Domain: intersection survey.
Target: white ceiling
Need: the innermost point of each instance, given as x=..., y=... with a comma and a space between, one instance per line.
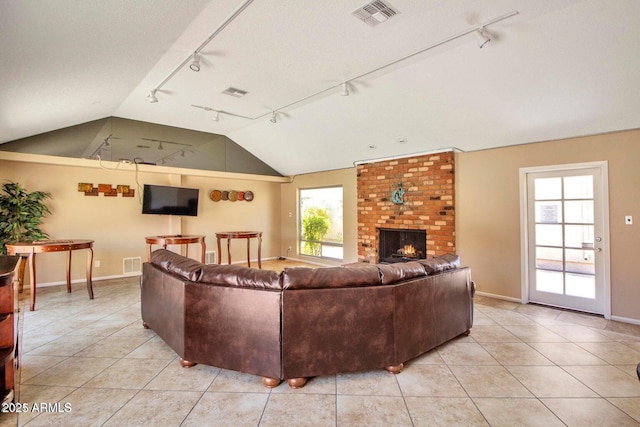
x=559, y=68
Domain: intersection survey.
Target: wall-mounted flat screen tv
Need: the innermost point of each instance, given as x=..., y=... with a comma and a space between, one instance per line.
x=164, y=200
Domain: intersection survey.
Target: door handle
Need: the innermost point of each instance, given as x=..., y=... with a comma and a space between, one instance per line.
x=598, y=249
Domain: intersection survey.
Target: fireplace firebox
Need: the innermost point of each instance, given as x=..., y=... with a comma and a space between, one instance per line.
x=401, y=245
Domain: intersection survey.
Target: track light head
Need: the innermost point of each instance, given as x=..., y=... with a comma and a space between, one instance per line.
x=482, y=37
x=160, y=147
x=345, y=89
x=274, y=117
x=216, y=116
x=152, y=97
x=195, y=63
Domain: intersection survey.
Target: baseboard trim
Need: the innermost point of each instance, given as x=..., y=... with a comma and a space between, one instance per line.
x=626, y=320
x=93, y=279
x=502, y=297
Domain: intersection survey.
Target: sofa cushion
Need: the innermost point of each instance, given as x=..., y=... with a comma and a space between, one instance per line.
x=441, y=263
x=186, y=268
x=392, y=273
x=240, y=276
x=329, y=277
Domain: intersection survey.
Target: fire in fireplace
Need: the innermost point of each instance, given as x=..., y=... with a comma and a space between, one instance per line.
x=401, y=245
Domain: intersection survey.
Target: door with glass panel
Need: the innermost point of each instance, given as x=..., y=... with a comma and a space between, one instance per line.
x=566, y=234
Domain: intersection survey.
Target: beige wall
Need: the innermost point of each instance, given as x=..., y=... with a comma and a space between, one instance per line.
x=488, y=211
x=117, y=225
x=290, y=230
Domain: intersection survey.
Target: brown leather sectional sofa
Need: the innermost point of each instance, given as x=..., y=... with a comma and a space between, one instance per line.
x=305, y=322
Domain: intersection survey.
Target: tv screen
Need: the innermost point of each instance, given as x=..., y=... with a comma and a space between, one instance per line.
x=164, y=200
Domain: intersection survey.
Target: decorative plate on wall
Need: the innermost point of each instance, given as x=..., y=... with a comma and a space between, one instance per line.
x=216, y=195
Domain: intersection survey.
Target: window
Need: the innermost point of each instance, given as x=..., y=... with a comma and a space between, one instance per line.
x=321, y=222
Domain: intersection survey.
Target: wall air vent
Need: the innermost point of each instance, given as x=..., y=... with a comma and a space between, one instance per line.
x=131, y=266
x=210, y=257
x=232, y=91
x=375, y=13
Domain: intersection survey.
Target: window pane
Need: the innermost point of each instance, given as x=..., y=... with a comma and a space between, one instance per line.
x=548, y=189
x=321, y=221
x=548, y=235
x=549, y=258
x=578, y=187
x=580, y=212
x=580, y=285
x=580, y=261
x=549, y=212
x=578, y=236
x=549, y=281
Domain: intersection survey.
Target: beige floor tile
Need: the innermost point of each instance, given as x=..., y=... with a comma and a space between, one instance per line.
x=613, y=352
x=72, y=372
x=537, y=311
x=607, y=381
x=155, y=408
x=594, y=412
x=227, y=409
x=460, y=353
x=583, y=319
x=577, y=333
x=509, y=412
x=492, y=333
x=66, y=345
x=85, y=407
x=505, y=318
x=299, y=410
x=444, y=412
x=113, y=347
x=429, y=358
x=567, y=353
x=550, y=381
x=154, y=348
x=316, y=385
x=515, y=353
x=629, y=405
x=368, y=383
x=534, y=333
x=238, y=382
x=489, y=381
x=100, y=328
x=128, y=374
x=32, y=365
x=429, y=380
x=371, y=411
x=176, y=377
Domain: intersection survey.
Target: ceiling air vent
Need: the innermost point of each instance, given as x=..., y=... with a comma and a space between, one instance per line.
x=232, y=91
x=375, y=13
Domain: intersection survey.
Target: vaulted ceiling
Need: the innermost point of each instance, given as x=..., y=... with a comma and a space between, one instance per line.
x=417, y=82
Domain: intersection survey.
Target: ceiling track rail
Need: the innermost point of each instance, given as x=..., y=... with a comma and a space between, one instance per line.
x=274, y=111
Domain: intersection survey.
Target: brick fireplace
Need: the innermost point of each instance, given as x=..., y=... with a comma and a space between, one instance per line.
x=413, y=193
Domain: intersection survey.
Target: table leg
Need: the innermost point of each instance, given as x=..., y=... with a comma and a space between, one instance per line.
x=203, y=250
x=32, y=273
x=219, y=252
x=149, y=253
x=69, y=272
x=186, y=250
x=248, y=252
x=89, y=272
x=228, y=250
x=259, y=251
x=22, y=263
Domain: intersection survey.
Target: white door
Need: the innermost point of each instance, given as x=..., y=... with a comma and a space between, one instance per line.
x=566, y=251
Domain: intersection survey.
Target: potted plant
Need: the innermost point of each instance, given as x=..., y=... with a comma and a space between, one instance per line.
x=21, y=214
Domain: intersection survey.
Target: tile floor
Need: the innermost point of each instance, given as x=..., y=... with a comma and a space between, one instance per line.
x=521, y=365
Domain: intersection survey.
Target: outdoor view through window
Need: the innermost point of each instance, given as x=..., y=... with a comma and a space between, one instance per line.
x=321, y=222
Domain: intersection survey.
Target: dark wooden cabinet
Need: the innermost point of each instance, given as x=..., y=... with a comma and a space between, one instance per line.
x=8, y=326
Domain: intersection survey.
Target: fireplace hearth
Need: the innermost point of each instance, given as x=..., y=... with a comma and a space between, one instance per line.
x=401, y=245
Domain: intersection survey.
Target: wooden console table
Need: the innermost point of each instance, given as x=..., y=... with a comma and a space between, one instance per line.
x=240, y=235
x=30, y=249
x=176, y=240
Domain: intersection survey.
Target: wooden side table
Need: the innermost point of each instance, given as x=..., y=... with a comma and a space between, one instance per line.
x=30, y=249
x=176, y=240
x=240, y=235
x=9, y=311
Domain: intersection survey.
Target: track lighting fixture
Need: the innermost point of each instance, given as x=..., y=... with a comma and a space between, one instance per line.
x=160, y=147
x=195, y=63
x=216, y=116
x=482, y=37
x=152, y=97
x=274, y=117
x=345, y=89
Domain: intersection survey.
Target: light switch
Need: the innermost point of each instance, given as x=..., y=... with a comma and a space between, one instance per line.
x=628, y=220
